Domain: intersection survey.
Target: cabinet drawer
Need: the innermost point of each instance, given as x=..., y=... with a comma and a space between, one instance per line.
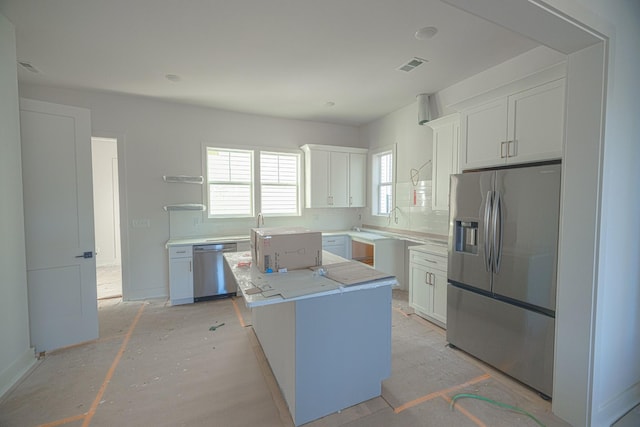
x=428, y=260
x=180, y=252
x=334, y=240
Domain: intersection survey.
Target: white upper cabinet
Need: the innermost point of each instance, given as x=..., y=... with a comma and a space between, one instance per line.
x=338, y=179
x=536, y=122
x=526, y=126
x=334, y=176
x=446, y=135
x=357, y=180
x=317, y=183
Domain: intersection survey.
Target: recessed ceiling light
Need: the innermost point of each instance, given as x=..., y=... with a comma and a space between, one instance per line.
x=425, y=33
x=173, y=77
x=29, y=67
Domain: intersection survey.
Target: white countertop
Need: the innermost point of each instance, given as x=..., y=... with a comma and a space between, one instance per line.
x=204, y=240
x=302, y=284
x=437, y=248
x=365, y=236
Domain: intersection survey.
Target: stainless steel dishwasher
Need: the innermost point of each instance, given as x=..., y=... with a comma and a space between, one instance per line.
x=210, y=277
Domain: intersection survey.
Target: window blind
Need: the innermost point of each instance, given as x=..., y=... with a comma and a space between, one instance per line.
x=279, y=184
x=385, y=183
x=230, y=182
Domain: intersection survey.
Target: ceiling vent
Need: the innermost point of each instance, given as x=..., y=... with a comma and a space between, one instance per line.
x=412, y=64
x=29, y=67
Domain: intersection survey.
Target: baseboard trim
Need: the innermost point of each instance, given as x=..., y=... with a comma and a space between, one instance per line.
x=611, y=411
x=16, y=371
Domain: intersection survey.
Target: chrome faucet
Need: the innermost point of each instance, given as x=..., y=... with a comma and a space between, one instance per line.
x=395, y=216
x=258, y=220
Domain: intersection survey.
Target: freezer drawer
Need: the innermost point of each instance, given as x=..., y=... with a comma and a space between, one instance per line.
x=516, y=341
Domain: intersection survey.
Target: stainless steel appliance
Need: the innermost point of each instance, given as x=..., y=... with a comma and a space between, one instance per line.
x=210, y=278
x=501, y=296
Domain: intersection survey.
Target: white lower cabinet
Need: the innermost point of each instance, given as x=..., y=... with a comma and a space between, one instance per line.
x=339, y=245
x=181, y=274
x=428, y=282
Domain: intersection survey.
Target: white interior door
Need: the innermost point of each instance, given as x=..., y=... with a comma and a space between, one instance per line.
x=58, y=205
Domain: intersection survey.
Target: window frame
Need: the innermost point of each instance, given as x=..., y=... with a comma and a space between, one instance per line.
x=376, y=157
x=256, y=180
x=298, y=182
x=251, y=183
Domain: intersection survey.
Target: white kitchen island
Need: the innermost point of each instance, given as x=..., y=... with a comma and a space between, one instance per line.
x=328, y=344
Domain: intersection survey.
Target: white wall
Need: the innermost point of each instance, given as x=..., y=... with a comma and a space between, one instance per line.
x=616, y=362
x=413, y=149
x=161, y=138
x=16, y=356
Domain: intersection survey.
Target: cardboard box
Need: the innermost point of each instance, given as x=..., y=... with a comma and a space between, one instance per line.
x=292, y=248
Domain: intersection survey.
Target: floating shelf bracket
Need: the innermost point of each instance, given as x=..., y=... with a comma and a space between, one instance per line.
x=184, y=179
x=185, y=207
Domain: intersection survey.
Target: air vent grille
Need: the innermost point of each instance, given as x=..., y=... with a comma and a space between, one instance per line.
x=412, y=64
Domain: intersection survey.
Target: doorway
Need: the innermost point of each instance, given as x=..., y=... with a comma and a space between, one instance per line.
x=106, y=211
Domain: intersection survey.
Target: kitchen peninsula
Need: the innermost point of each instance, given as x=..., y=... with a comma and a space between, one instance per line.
x=328, y=344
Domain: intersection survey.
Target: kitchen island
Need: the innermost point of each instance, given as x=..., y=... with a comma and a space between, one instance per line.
x=328, y=344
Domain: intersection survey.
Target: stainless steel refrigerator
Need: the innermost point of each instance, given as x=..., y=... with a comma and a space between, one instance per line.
x=501, y=296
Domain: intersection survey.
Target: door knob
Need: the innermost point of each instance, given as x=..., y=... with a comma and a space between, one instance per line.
x=85, y=255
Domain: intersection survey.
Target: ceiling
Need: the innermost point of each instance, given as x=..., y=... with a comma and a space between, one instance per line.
x=282, y=58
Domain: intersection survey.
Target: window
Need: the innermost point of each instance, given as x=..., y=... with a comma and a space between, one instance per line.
x=230, y=182
x=233, y=192
x=383, y=182
x=279, y=184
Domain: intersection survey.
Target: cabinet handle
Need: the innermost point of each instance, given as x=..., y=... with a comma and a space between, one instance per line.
x=502, y=153
x=350, y=200
x=431, y=261
x=426, y=278
x=190, y=269
x=509, y=148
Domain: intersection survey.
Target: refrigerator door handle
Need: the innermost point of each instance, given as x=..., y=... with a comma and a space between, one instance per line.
x=488, y=208
x=497, y=232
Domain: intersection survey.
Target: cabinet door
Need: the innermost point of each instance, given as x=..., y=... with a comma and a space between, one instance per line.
x=445, y=143
x=420, y=292
x=439, y=279
x=339, y=179
x=317, y=179
x=357, y=180
x=181, y=280
x=484, y=135
x=536, y=123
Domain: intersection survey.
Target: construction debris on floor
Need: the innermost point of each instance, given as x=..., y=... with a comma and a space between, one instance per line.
x=153, y=365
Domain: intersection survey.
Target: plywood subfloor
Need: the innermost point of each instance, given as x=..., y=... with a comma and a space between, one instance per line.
x=201, y=365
